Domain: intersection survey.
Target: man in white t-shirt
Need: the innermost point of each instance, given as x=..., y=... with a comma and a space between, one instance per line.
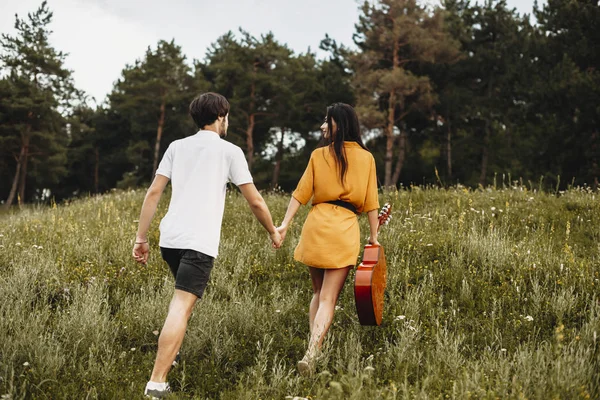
x=199, y=168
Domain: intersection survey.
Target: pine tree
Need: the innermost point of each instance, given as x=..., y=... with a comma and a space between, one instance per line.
x=37, y=88
x=396, y=37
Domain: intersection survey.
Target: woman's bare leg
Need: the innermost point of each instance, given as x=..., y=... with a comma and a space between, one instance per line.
x=316, y=277
x=333, y=282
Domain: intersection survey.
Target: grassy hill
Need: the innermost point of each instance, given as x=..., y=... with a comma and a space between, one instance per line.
x=491, y=294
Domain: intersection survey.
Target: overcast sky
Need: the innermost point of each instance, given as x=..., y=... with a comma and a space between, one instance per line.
x=102, y=36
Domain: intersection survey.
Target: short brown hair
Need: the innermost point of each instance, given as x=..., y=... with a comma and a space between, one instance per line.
x=206, y=108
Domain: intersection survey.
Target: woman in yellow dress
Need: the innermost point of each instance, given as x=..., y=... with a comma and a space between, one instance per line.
x=341, y=180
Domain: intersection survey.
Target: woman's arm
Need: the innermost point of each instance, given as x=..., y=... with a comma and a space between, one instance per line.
x=374, y=224
x=289, y=216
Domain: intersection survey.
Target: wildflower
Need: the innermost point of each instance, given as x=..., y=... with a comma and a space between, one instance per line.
x=529, y=318
x=277, y=311
x=369, y=369
x=503, y=350
x=429, y=244
x=337, y=308
x=26, y=364
x=493, y=208
x=400, y=317
x=133, y=349
x=155, y=333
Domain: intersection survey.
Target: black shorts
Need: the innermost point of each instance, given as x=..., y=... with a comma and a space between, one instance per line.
x=190, y=268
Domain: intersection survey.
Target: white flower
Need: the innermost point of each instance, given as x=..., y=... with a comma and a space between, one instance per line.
x=400, y=317
x=155, y=333
x=18, y=244
x=26, y=364
x=493, y=208
x=529, y=318
x=133, y=349
x=429, y=244
x=277, y=311
x=369, y=369
x=503, y=350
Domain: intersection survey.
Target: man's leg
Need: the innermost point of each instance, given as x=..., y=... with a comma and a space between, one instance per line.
x=172, y=333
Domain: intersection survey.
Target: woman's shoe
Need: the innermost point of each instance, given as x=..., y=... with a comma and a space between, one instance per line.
x=306, y=366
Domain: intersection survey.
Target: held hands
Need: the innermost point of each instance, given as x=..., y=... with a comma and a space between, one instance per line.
x=280, y=233
x=283, y=231
x=276, y=239
x=141, y=251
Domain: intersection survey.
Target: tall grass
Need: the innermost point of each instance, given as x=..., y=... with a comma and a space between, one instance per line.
x=491, y=294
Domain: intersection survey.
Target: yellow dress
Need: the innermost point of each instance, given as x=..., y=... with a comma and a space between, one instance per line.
x=331, y=236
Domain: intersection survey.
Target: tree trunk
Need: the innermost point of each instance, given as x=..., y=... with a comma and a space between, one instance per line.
x=449, y=149
x=251, y=116
x=485, y=154
x=159, y=132
x=278, y=159
x=391, y=121
x=13, y=189
x=401, y=158
x=96, y=170
x=250, y=141
x=487, y=138
x=23, y=172
x=389, y=143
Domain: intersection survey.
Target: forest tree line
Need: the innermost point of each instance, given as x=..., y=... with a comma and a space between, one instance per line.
x=459, y=93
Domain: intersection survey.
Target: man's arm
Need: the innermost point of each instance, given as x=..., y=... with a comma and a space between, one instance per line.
x=141, y=248
x=261, y=211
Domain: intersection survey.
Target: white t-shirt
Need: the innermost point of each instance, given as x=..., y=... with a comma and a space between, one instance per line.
x=199, y=167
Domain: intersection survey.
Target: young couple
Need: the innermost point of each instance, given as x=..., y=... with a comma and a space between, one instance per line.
x=340, y=178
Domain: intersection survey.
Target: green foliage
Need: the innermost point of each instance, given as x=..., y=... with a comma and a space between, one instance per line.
x=491, y=294
x=35, y=92
x=457, y=93
x=150, y=103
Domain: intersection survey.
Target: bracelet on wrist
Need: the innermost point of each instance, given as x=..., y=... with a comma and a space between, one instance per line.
x=141, y=242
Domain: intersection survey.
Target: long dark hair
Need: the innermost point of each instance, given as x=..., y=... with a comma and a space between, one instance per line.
x=348, y=130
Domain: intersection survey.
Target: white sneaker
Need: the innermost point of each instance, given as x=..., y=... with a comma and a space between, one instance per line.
x=157, y=390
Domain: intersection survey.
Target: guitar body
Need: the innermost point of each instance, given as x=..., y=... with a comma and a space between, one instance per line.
x=369, y=285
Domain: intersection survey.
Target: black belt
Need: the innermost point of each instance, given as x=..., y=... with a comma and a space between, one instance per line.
x=345, y=204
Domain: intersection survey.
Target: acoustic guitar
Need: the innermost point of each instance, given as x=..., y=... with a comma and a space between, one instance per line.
x=371, y=278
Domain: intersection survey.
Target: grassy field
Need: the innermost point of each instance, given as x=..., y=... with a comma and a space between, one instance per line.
x=491, y=294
